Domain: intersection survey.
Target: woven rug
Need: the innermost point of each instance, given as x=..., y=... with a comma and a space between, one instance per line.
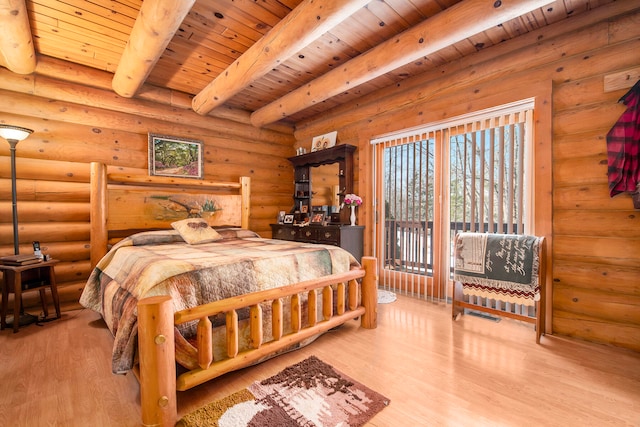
x=309, y=393
x=386, y=297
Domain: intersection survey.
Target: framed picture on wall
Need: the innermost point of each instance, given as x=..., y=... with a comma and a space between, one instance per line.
x=324, y=141
x=175, y=156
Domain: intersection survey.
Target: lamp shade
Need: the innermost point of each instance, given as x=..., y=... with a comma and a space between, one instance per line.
x=14, y=133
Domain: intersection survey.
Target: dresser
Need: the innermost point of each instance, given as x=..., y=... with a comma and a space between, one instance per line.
x=349, y=237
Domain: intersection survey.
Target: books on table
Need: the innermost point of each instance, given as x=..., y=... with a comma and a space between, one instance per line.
x=18, y=260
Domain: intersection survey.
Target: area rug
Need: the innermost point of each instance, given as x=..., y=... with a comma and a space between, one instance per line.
x=309, y=393
x=385, y=297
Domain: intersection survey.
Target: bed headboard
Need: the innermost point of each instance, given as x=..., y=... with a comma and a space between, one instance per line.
x=122, y=204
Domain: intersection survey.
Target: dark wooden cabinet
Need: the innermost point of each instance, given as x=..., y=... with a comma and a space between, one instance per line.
x=346, y=236
x=334, y=231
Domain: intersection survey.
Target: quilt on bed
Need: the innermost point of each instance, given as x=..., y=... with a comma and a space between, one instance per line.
x=161, y=263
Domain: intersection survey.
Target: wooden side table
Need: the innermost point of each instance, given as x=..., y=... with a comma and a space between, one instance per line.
x=24, y=278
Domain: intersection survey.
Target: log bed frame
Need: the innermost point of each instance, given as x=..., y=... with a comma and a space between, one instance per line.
x=156, y=369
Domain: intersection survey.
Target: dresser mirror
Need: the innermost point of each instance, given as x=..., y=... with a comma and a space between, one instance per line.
x=322, y=178
x=325, y=185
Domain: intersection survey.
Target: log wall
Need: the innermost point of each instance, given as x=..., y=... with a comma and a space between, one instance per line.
x=79, y=122
x=594, y=240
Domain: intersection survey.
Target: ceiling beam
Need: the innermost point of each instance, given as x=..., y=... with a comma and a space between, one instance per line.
x=450, y=26
x=157, y=23
x=16, y=44
x=304, y=24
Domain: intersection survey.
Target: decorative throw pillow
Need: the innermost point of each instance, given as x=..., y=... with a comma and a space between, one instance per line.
x=195, y=231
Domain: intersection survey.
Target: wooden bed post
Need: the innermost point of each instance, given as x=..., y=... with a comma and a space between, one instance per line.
x=245, y=191
x=370, y=293
x=156, y=344
x=98, y=213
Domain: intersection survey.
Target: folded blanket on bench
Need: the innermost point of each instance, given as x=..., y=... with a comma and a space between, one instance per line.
x=499, y=266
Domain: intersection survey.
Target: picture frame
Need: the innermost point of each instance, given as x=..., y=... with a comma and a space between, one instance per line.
x=175, y=156
x=321, y=142
x=317, y=218
x=304, y=208
x=288, y=219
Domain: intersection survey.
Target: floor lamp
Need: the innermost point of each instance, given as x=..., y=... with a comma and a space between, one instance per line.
x=14, y=134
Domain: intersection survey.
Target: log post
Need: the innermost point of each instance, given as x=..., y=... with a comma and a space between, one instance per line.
x=98, y=212
x=312, y=307
x=157, y=361
x=16, y=43
x=155, y=26
x=245, y=191
x=370, y=293
x=256, y=325
x=277, y=321
x=232, y=333
x=205, y=343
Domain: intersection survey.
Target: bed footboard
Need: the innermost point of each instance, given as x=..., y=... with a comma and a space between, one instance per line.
x=156, y=320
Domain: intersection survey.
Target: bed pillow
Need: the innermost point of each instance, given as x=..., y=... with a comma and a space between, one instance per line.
x=195, y=231
x=228, y=232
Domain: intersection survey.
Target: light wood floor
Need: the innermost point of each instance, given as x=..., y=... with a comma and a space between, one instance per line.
x=436, y=373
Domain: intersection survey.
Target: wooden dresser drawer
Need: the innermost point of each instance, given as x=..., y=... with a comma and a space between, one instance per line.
x=347, y=237
x=307, y=234
x=329, y=235
x=284, y=233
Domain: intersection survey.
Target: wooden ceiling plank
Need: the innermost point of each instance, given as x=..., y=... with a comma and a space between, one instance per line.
x=448, y=27
x=76, y=54
x=71, y=32
x=224, y=14
x=87, y=55
x=305, y=24
x=276, y=8
x=181, y=50
x=409, y=11
x=430, y=8
x=353, y=35
x=82, y=19
x=291, y=4
x=388, y=16
x=17, y=52
x=211, y=49
x=85, y=18
x=129, y=10
x=554, y=12
x=156, y=25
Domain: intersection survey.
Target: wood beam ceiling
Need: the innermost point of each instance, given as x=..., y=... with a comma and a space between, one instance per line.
x=159, y=20
x=443, y=29
x=297, y=30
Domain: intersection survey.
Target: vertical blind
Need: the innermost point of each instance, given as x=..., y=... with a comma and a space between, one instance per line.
x=477, y=165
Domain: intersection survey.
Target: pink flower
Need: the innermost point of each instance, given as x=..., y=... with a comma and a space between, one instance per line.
x=352, y=200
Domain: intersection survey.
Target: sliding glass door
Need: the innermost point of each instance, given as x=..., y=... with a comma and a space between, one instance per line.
x=467, y=174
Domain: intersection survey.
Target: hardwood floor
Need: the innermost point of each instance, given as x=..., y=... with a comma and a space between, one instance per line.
x=436, y=373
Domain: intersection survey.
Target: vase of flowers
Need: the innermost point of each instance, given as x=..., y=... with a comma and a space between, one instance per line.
x=352, y=200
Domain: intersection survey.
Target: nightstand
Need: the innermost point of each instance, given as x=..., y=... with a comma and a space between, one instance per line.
x=25, y=278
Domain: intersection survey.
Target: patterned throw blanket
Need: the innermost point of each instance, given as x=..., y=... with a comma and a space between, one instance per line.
x=498, y=266
x=161, y=263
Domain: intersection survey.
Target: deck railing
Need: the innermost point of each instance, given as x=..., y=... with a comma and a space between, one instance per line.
x=409, y=243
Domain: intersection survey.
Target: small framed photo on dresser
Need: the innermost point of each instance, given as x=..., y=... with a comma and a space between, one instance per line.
x=317, y=218
x=288, y=219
